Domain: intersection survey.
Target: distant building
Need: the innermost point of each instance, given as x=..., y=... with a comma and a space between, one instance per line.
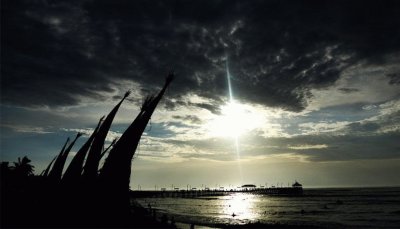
x=297, y=185
x=248, y=187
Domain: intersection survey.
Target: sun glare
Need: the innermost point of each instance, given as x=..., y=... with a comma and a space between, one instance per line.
x=235, y=120
x=241, y=206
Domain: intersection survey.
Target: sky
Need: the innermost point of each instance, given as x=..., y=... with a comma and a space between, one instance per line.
x=265, y=93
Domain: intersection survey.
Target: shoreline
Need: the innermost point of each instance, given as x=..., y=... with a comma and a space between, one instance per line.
x=176, y=222
x=182, y=225
x=317, y=208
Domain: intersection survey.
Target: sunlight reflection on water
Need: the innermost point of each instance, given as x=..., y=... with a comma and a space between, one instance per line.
x=320, y=207
x=239, y=206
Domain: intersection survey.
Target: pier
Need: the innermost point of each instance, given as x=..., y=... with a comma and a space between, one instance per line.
x=284, y=191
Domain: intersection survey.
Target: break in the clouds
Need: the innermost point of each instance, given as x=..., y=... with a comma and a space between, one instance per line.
x=317, y=81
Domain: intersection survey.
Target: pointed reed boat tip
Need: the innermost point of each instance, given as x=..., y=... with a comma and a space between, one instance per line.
x=127, y=93
x=170, y=76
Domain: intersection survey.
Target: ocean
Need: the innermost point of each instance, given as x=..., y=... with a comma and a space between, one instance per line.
x=332, y=208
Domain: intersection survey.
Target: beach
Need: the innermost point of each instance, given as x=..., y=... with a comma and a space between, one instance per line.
x=318, y=208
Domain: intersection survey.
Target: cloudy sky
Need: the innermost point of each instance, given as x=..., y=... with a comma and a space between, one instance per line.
x=315, y=87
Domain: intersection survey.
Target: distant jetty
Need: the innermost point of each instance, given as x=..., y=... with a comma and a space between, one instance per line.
x=295, y=190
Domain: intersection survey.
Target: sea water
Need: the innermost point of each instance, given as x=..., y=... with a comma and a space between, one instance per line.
x=349, y=207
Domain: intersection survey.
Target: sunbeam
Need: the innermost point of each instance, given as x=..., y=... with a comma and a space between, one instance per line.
x=235, y=115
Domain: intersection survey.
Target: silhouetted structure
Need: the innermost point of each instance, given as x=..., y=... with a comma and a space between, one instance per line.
x=115, y=174
x=58, y=167
x=108, y=148
x=57, y=162
x=45, y=172
x=81, y=197
x=94, y=156
x=74, y=170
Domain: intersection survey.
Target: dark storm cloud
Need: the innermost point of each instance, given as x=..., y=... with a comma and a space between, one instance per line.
x=176, y=104
x=55, y=52
x=352, y=147
x=394, y=78
x=348, y=90
x=191, y=118
x=210, y=107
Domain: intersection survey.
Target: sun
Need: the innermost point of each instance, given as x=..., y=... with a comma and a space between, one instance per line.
x=236, y=119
